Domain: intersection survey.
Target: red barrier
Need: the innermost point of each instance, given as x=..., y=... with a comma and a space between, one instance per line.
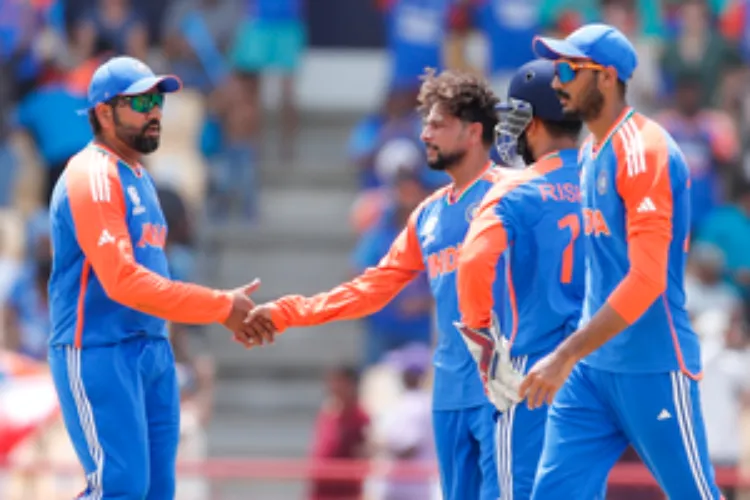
x=292, y=469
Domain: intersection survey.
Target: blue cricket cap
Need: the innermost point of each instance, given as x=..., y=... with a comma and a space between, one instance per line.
x=127, y=76
x=600, y=43
x=532, y=83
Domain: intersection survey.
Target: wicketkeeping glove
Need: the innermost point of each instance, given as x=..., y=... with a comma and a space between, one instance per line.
x=491, y=352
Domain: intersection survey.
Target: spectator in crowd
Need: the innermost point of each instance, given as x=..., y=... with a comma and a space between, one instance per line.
x=43, y=109
x=728, y=228
x=416, y=30
x=708, y=139
x=273, y=37
x=341, y=432
x=704, y=285
x=112, y=25
x=198, y=36
x=700, y=47
x=405, y=431
x=396, y=119
x=26, y=312
x=508, y=27
x=643, y=88
x=408, y=318
x=227, y=144
x=725, y=383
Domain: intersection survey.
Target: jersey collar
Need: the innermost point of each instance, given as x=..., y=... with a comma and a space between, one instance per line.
x=454, y=195
x=624, y=116
x=137, y=169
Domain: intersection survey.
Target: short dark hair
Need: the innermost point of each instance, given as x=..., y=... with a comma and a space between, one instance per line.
x=96, y=125
x=466, y=96
x=570, y=129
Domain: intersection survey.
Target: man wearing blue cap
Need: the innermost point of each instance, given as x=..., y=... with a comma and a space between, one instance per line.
x=536, y=214
x=110, y=295
x=629, y=374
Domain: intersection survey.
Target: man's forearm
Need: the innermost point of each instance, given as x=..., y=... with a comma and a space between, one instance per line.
x=605, y=325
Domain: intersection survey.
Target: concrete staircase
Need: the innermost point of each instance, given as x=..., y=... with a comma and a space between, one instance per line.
x=267, y=398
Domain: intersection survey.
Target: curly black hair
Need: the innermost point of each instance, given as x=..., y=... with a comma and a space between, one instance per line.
x=465, y=96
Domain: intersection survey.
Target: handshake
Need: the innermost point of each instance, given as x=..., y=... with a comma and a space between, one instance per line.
x=251, y=324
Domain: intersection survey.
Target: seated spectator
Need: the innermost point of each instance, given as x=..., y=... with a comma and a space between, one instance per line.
x=272, y=37
x=728, y=228
x=643, y=87
x=705, y=288
x=226, y=143
x=396, y=119
x=405, y=431
x=415, y=32
x=709, y=140
x=700, y=47
x=725, y=387
x=112, y=25
x=341, y=432
x=198, y=36
x=509, y=27
x=40, y=114
x=408, y=317
x=27, y=324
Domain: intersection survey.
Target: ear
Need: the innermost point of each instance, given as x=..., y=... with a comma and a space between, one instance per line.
x=476, y=132
x=533, y=127
x=609, y=77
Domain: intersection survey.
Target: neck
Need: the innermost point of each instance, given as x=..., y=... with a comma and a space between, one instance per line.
x=602, y=125
x=469, y=169
x=552, y=146
x=126, y=154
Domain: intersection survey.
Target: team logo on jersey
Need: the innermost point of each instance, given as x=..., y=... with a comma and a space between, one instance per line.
x=601, y=183
x=135, y=198
x=471, y=212
x=428, y=230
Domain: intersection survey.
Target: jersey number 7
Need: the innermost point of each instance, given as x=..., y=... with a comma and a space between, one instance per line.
x=572, y=222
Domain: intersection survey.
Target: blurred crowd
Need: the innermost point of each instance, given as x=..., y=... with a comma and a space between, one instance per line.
x=693, y=77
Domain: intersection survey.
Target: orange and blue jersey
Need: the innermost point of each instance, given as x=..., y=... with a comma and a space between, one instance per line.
x=635, y=190
x=431, y=242
x=534, y=215
x=110, y=279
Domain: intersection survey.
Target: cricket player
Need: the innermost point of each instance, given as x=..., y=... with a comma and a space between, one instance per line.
x=110, y=295
x=536, y=218
x=629, y=374
x=459, y=121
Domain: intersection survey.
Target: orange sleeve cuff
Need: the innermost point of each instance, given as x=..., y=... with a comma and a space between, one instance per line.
x=277, y=316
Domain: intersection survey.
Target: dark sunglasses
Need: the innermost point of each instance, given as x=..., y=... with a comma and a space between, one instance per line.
x=143, y=103
x=566, y=71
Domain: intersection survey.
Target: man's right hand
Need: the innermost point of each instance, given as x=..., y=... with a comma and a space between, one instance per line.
x=256, y=323
x=250, y=335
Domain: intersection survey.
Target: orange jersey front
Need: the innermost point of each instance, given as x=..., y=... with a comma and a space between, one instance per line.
x=110, y=279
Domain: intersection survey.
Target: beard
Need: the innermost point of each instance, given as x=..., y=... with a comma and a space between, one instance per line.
x=592, y=102
x=137, y=138
x=445, y=161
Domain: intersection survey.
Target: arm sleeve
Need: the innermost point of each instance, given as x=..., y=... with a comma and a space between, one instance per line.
x=367, y=293
x=643, y=182
x=488, y=237
x=97, y=209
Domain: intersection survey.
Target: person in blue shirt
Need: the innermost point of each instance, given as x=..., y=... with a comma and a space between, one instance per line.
x=408, y=317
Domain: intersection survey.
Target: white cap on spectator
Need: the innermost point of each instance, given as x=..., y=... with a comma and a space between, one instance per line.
x=396, y=155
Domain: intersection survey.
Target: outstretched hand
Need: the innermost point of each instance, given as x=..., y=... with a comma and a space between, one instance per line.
x=242, y=305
